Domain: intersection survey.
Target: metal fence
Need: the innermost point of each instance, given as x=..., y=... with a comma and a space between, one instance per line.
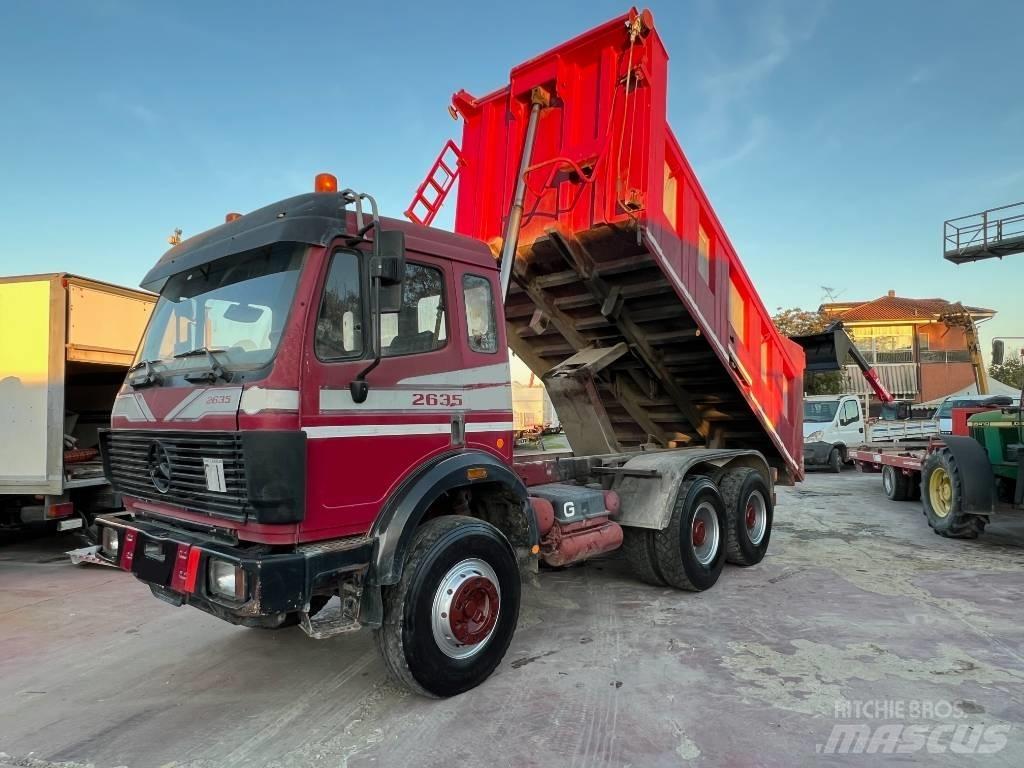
x=945, y=356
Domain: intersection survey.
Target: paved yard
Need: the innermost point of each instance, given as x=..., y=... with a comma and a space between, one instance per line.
x=859, y=617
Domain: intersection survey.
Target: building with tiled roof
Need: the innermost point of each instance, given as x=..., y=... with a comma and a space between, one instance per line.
x=918, y=356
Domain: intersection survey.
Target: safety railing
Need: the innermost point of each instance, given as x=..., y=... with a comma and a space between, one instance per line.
x=991, y=233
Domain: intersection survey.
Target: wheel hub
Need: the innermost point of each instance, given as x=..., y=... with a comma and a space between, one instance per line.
x=705, y=535
x=756, y=517
x=474, y=610
x=940, y=492
x=466, y=607
x=700, y=533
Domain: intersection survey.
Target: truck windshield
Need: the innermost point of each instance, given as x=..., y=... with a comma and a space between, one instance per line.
x=946, y=409
x=235, y=306
x=820, y=411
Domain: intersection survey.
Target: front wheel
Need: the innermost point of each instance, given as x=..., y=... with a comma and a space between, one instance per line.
x=835, y=460
x=451, y=617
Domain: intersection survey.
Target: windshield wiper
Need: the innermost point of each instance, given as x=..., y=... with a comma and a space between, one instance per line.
x=142, y=374
x=217, y=371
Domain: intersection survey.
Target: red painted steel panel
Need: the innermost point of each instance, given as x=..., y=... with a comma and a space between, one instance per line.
x=604, y=156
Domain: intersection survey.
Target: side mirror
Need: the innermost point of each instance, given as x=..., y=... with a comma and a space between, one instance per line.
x=359, y=389
x=387, y=270
x=389, y=248
x=998, y=351
x=389, y=266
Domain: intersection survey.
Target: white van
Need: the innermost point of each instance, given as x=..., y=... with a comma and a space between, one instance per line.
x=832, y=424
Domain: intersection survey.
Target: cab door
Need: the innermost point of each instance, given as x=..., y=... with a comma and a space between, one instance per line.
x=851, y=423
x=358, y=453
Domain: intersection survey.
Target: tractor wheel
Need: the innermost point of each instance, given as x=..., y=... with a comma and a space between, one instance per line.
x=896, y=485
x=690, y=552
x=835, y=461
x=450, y=618
x=638, y=544
x=942, y=498
x=748, y=514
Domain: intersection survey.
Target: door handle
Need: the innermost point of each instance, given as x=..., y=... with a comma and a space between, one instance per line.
x=458, y=430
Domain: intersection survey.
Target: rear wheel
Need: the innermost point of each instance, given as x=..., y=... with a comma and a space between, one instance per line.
x=638, y=544
x=942, y=498
x=451, y=617
x=690, y=552
x=748, y=510
x=896, y=485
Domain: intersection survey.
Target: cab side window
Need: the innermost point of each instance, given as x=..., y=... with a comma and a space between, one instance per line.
x=851, y=413
x=420, y=325
x=339, y=326
x=480, y=320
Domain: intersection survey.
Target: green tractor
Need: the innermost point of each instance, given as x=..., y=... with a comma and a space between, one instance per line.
x=968, y=478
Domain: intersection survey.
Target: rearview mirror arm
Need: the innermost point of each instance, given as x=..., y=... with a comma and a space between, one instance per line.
x=358, y=388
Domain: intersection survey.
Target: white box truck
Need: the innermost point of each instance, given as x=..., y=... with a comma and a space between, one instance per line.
x=65, y=345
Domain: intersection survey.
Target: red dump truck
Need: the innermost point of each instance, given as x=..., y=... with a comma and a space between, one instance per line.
x=318, y=429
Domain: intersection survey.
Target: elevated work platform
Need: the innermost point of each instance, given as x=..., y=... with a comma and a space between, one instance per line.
x=627, y=296
x=990, y=234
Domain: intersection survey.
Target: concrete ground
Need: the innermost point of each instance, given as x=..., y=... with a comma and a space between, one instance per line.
x=859, y=616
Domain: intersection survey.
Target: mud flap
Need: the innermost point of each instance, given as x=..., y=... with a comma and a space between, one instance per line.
x=977, y=480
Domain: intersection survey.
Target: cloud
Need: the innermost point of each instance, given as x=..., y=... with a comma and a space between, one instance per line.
x=919, y=75
x=775, y=32
x=143, y=114
x=757, y=131
x=136, y=110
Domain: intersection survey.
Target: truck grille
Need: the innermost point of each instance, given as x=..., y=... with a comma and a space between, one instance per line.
x=167, y=467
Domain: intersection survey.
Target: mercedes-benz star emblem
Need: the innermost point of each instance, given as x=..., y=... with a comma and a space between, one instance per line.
x=159, y=463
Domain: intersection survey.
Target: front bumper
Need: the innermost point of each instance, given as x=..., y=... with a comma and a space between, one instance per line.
x=816, y=453
x=175, y=564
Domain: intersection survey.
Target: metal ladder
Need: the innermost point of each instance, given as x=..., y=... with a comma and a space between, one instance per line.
x=431, y=193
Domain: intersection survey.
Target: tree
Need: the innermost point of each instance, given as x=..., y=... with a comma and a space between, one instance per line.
x=1010, y=372
x=800, y=322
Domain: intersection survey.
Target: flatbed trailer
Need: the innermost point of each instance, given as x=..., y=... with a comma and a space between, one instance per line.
x=899, y=464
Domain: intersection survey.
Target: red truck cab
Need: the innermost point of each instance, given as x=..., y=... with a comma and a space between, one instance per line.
x=249, y=432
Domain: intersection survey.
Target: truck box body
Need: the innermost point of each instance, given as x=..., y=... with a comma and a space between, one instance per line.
x=619, y=244
x=65, y=344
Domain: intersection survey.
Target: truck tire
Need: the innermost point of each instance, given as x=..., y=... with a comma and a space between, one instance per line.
x=638, y=544
x=835, y=460
x=690, y=552
x=450, y=618
x=748, y=515
x=895, y=484
x=942, y=498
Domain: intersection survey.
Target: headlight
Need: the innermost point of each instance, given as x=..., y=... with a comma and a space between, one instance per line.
x=815, y=436
x=226, y=579
x=111, y=542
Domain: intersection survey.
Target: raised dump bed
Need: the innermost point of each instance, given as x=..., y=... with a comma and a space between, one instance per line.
x=627, y=296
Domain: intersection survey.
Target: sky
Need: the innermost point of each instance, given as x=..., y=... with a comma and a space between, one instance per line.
x=832, y=138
